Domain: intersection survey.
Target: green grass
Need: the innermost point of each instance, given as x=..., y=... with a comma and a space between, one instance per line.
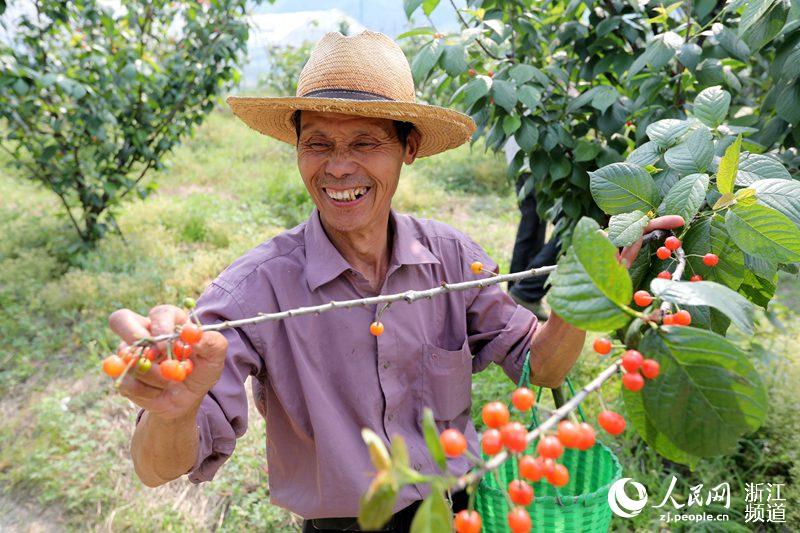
x=65, y=434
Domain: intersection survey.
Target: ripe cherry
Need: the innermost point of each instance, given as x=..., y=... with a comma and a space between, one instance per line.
x=668, y=319
x=514, y=437
x=490, y=74
x=181, y=350
x=467, y=521
x=696, y=277
x=492, y=442
x=472, y=72
x=453, y=442
x=612, y=422
x=546, y=465
x=665, y=274
x=663, y=253
x=633, y=381
x=476, y=267
x=550, y=447
x=651, y=368
x=530, y=468
x=710, y=260
x=683, y=318
x=519, y=521
x=569, y=434
x=560, y=476
x=602, y=345
x=171, y=369
x=632, y=360
x=520, y=492
x=376, y=328
x=113, y=365
x=642, y=298
x=191, y=333
x=588, y=437
x=188, y=366
x=495, y=414
x=672, y=243
x=150, y=353
x=523, y=399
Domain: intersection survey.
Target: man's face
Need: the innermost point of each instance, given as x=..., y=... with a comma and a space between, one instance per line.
x=351, y=166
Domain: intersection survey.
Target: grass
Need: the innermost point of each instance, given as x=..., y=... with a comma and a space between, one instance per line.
x=65, y=434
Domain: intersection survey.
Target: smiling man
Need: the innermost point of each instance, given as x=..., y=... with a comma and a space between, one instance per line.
x=318, y=380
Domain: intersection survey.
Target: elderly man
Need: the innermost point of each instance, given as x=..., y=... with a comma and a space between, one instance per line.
x=318, y=380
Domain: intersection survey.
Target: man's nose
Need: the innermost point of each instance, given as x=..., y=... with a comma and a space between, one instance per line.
x=341, y=164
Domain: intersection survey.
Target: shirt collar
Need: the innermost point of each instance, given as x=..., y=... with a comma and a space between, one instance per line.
x=324, y=262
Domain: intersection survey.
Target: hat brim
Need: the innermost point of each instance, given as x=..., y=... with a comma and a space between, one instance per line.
x=440, y=128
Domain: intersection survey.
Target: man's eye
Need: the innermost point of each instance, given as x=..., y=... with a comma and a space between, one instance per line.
x=363, y=145
x=317, y=146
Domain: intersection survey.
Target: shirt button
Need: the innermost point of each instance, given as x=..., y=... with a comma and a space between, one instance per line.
x=389, y=418
x=386, y=364
x=417, y=467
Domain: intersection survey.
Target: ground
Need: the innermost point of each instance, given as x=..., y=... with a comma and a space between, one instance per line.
x=64, y=440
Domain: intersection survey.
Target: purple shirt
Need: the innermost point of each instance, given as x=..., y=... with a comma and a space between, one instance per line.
x=318, y=380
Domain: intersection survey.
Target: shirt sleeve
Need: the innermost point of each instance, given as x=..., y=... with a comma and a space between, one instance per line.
x=499, y=330
x=222, y=417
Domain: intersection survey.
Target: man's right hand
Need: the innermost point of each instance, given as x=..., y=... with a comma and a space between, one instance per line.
x=166, y=399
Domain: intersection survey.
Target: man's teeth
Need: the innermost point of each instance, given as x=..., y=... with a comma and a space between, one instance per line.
x=348, y=194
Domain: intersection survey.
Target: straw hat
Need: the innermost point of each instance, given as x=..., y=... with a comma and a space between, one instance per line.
x=366, y=75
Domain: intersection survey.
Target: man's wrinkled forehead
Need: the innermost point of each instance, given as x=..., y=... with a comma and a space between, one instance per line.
x=330, y=123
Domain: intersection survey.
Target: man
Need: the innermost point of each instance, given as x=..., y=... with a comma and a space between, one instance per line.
x=318, y=380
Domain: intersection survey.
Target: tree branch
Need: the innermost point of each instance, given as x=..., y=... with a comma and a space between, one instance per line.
x=477, y=39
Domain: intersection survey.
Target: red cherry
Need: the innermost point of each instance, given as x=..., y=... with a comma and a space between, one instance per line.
x=642, y=298
x=550, y=447
x=668, y=319
x=650, y=368
x=519, y=521
x=710, y=260
x=665, y=274
x=467, y=521
x=569, y=434
x=672, y=242
x=476, y=267
x=113, y=365
x=514, y=437
x=171, y=369
x=530, y=468
x=453, y=442
x=696, y=277
x=633, y=381
x=520, y=492
x=632, y=360
x=612, y=422
x=683, y=318
x=376, y=328
x=495, y=414
x=188, y=366
x=663, y=253
x=560, y=476
x=492, y=442
x=191, y=333
x=546, y=466
x=602, y=345
x=523, y=399
x=490, y=74
x=472, y=72
x=588, y=436
x=181, y=350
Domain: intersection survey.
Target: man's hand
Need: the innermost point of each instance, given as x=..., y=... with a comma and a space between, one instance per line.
x=165, y=399
x=628, y=254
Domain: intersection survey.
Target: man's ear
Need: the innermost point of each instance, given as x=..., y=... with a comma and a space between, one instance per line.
x=412, y=146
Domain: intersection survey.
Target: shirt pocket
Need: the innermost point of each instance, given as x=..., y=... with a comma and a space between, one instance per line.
x=446, y=380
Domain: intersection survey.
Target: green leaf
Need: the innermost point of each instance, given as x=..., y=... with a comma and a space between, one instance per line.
x=731, y=42
x=757, y=289
x=782, y=195
x=666, y=180
x=755, y=167
x=647, y=154
x=707, y=395
x=694, y=154
x=706, y=236
x=604, y=97
x=522, y=73
x=427, y=30
x=476, y=89
x=627, y=228
x=505, y=95
x=528, y=135
x=586, y=150
x=686, y=197
x=689, y=55
x=767, y=27
x=707, y=293
x=668, y=131
x=377, y=450
x=658, y=52
x=711, y=106
x=454, y=60
x=764, y=233
x=728, y=167
x=623, y=187
x=410, y=6
x=590, y=285
x=425, y=59
x=429, y=5
x=377, y=503
x=433, y=515
x=431, y=434
x=635, y=412
x=585, y=98
x=511, y=123
x=529, y=96
x=753, y=12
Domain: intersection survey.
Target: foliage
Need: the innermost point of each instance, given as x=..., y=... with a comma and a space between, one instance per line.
x=93, y=99
x=577, y=84
x=285, y=64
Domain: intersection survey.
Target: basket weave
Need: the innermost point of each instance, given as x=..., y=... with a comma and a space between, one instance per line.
x=580, y=506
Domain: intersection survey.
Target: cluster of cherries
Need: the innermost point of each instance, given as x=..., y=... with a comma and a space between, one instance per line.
x=671, y=244
x=636, y=366
x=175, y=367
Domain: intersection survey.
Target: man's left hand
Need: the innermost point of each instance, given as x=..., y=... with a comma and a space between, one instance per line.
x=629, y=253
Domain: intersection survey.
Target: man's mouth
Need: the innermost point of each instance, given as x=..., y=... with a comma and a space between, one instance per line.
x=346, y=195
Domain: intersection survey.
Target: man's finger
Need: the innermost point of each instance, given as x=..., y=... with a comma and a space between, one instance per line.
x=139, y=393
x=628, y=254
x=128, y=325
x=163, y=319
x=665, y=222
x=209, y=360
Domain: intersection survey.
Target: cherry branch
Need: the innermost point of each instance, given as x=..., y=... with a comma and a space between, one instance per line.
x=407, y=296
x=558, y=414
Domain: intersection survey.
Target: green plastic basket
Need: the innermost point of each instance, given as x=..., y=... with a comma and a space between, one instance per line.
x=580, y=506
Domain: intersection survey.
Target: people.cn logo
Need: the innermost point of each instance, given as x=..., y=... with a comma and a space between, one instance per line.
x=621, y=503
